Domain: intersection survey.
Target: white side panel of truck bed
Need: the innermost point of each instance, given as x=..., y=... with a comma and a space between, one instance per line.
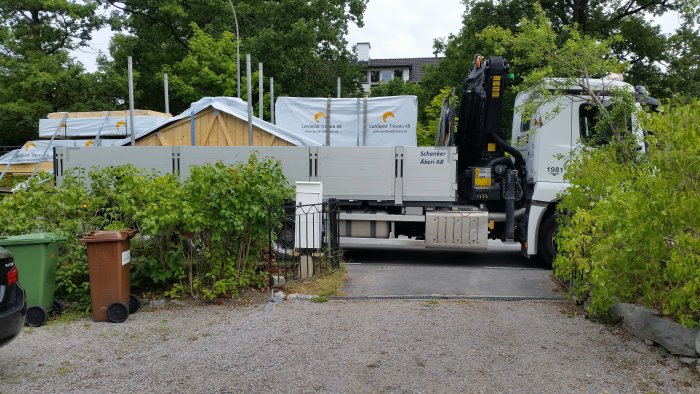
x=295, y=160
x=82, y=160
x=395, y=175
x=351, y=173
x=429, y=174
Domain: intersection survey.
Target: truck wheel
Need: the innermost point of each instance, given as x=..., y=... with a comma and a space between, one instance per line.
x=283, y=245
x=547, y=249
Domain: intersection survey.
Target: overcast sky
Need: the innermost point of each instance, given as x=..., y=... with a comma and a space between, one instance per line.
x=394, y=28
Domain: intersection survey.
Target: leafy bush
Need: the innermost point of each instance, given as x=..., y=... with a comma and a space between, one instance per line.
x=127, y=197
x=227, y=209
x=631, y=227
x=44, y=208
x=202, y=238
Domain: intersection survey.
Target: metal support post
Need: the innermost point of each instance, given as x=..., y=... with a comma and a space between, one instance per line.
x=131, y=101
x=272, y=100
x=364, y=122
x=261, y=106
x=250, y=100
x=238, y=51
x=165, y=88
x=328, y=122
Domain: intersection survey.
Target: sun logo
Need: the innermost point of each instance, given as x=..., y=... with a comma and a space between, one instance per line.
x=89, y=143
x=318, y=116
x=29, y=145
x=387, y=115
x=121, y=123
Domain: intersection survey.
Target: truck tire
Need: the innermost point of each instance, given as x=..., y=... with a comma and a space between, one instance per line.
x=546, y=247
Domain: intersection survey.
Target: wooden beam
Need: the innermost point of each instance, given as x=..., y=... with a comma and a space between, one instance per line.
x=162, y=140
x=224, y=129
x=209, y=128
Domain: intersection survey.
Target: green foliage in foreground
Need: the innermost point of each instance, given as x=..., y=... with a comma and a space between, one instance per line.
x=631, y=228
x=202, y=238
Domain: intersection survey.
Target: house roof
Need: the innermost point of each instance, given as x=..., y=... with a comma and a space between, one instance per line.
x=415, y=64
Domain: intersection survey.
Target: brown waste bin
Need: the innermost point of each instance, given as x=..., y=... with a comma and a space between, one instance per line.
x=109, y=256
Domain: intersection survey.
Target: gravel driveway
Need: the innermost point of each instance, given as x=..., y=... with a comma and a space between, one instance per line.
x=342, y=346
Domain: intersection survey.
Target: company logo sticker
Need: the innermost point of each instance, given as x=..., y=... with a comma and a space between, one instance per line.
x=318, y=126
x=120, y=124
x=389, y=125
x=29, y=145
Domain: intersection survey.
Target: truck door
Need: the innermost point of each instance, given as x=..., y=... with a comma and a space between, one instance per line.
x=553, y=139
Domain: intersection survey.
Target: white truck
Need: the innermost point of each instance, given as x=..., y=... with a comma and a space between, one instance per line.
x=456, y=196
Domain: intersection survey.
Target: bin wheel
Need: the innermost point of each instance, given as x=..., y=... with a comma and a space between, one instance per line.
x=134, y=303
x=36, y=316
x=117, y=312
x=57, y=308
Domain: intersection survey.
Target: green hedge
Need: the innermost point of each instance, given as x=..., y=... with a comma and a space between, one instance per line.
x=630, y=223
x=201, y=238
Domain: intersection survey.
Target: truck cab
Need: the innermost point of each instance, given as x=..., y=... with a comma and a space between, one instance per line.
x=546, y=140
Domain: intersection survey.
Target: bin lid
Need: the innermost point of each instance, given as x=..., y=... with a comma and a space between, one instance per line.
x=108, y=236
x=28, y=239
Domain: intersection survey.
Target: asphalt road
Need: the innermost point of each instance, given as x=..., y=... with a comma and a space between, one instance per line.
x=413, y=271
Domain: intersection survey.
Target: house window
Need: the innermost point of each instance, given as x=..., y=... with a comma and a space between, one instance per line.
x=398, y=74
x=374, y=76
x=387, y=75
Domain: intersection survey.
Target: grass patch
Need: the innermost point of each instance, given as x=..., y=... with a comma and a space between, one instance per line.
x=69, y=316
x=320, y=299
x=65, y=369
x=324, y=286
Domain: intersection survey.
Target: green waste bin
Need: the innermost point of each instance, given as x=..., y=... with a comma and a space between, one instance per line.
x=35, y=257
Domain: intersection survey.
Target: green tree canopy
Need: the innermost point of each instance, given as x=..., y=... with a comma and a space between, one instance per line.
x=208, y=69
x=37, y=75
x=301, y=43
x=557, y=63
x=644, y=48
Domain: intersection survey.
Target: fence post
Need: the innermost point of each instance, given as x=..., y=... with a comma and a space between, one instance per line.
x=271, y=280
x=334, y=227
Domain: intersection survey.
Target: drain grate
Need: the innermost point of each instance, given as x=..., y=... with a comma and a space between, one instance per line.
x=446, y=297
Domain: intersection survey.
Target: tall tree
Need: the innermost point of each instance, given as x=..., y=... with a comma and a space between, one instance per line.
x=301, y=43
x=683, y=76
x=47, y=26
x=643, y=47
x=37, y=75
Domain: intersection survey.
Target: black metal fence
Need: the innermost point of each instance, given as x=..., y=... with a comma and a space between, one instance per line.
x=576, y=285
x=304, y=242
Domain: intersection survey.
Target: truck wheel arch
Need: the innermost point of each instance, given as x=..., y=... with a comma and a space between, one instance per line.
x=535, y=227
